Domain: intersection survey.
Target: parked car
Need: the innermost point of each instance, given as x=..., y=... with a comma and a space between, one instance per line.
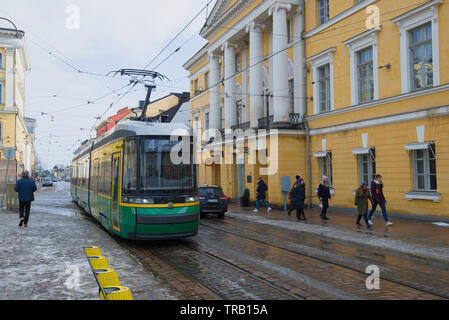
x=47, y=182
x=212, y=200
x=54, y=179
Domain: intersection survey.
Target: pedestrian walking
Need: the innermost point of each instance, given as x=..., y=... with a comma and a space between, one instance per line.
x=325, y=195
x=290, y=194
x=362, y=195
x=26, y=188
x=378, y=196
x=298, y=197
x=261, y=195
x=292, y=202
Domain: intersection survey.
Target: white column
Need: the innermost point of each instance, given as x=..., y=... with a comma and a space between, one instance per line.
x=280, y=62
x=229, y=85
x=255, y=72
x=299, y=64
x=214, y=88
x=9, y=81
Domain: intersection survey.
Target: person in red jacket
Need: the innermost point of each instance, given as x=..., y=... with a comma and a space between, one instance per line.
x=378, y=196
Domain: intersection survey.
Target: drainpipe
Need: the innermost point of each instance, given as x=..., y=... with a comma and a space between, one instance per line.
x=309, y=170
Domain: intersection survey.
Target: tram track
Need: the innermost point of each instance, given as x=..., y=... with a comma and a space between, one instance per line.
x=208, y=284
x=322, y=260
x=242, y=270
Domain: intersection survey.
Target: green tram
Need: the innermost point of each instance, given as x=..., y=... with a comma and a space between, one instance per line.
x=126, y=180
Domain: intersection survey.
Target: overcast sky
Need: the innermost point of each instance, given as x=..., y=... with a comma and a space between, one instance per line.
x=113, y=34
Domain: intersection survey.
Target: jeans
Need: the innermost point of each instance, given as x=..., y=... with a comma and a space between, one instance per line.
x=264, y=202
x=384, y=210
x=365, y=216
x=24, y=210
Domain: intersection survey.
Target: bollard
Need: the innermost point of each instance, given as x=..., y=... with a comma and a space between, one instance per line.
x=117, y=293
x=92, y=251
x=98, y=262
x=107, y=277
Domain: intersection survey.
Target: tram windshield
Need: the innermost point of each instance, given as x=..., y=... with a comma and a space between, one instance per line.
x=157, y=174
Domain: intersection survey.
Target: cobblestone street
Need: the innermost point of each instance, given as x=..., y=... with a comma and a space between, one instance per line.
x=246, y=256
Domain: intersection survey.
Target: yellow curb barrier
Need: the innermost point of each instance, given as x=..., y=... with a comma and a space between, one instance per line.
x=107, y=277
x=99, y=262
x=92, y=251
x=117, y=293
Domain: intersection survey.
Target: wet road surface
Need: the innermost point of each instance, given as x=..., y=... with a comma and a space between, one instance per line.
x=236, y=259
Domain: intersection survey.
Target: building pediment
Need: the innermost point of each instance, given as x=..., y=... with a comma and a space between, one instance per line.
x=223, y=11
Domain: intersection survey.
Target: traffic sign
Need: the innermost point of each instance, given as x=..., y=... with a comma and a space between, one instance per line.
x=9, y=153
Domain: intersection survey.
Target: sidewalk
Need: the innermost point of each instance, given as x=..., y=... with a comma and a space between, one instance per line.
x=411, y=237
x=37, y=262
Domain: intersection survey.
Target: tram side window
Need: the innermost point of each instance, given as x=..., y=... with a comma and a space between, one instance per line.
x=79, y=177
x=130, y=168
x=96, y=175
x=106, y=179
x=101, y=180
x=85, y=175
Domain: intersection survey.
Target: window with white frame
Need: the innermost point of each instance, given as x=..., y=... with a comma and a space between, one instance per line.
x=2, y=86
x=323, y=11
x=206, y=120
x=421, y=59
x=206, y=80
x=365, y=75
x=323, y=87
x=363, y=67
x=324, y=84
x=418, y=29
x=1, y=60
x=425, y=169
x=196, y=86
x=367, y=164
x=237, y=62
x=326, y=167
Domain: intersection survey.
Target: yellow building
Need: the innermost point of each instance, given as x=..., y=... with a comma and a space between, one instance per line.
x=173, y=107
x=346, y=88
x=14, y=64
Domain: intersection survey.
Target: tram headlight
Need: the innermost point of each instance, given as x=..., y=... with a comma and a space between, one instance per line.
x=191, y=199
x=139, y=200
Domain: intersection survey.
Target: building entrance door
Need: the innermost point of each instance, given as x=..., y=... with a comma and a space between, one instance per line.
x=240, y=179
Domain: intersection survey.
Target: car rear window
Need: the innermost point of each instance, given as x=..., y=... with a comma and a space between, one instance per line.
x=204, y=192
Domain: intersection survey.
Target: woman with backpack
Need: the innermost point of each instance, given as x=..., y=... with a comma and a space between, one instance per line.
x=362, y=196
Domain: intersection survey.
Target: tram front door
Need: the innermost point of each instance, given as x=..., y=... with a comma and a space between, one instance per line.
x=115, y=191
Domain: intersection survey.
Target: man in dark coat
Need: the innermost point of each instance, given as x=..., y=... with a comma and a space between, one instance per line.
x=261, y=195
x=324, y=194
x=298, y=198
x=298, y=181
x=26, y=188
